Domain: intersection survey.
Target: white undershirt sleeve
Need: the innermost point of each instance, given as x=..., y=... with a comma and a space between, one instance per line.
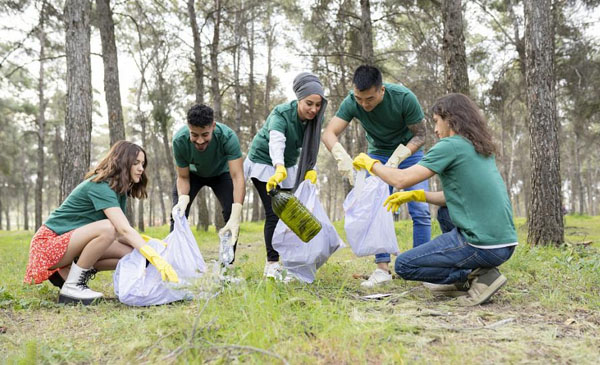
x=276, y=147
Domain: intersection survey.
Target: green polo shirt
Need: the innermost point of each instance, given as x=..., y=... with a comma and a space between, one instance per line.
x=223, y=147
x=284, y=118
x=475, y=193
x=85, y=205
x=387, y=124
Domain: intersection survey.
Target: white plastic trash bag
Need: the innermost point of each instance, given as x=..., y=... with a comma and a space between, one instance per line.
x=303, y=259
x=369, y=226
x=141, y=285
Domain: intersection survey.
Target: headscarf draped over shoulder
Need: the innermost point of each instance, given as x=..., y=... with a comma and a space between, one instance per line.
x=305, y=84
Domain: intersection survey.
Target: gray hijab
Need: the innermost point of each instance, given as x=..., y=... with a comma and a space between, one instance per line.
x=306, y=84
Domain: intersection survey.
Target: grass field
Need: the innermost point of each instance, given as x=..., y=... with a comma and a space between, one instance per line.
x=549, y=312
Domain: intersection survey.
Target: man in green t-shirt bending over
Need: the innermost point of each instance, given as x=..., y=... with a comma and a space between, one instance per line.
x=393, y=121
x=208, y=153
x=462, y=261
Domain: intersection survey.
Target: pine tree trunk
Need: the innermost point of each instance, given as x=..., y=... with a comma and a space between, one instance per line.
x=116, y=128
x=270, y=41
x=545, y=216
x=25, y=206
x=41, y=122
x=198, y=67
x=78, y=123
x=366, y=33
x=214, y=62
x=453, y=46
x=237, y=57
x=157, y=177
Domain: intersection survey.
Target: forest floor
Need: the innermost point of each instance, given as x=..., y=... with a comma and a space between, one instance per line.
x=549, y=312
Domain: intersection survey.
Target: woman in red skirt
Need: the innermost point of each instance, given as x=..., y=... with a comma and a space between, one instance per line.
x=89, y=231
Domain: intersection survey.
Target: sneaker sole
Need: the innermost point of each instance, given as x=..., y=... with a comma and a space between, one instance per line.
x=491, y=290
x=63, y=299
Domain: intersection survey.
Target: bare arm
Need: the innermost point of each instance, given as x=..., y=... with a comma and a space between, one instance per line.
x=418, y=130
x=330, y=135
x=183, y=180
x=402, y=178
x=125, y=233
x=436, y=198
x=236, y=170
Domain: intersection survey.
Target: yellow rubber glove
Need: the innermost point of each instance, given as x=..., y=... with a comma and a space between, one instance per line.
x=279, y=175
x=363, y=161
x=164, y=268
x=395, y=200
x=311, y=175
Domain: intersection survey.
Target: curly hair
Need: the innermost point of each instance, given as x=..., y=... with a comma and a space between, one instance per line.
x=200, y=115
x=465, y=119
x=115, y=169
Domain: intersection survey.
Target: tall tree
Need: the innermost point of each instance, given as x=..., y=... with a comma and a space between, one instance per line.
x=78, y=121
x=203, y=219
x=366, y=33
x=116, y=128
x=545, y=216
x=41, y=120
x=214, y=61
x=453, y=46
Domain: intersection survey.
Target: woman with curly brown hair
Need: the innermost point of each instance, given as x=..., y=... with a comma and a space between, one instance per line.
x=479, y=234
x=89, y=231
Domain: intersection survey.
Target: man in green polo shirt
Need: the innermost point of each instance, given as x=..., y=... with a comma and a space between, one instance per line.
x=463, y=260
x=208, y=153
x=393, y=122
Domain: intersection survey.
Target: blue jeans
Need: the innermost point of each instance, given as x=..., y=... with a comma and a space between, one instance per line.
x=448, y=258
x=419, y=212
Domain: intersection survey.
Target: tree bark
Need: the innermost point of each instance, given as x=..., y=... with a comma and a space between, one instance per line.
x=366, y=33
x=214, y=62
x=41, y=121
x=161, y=193
x=143, y=122
x=251, y=107
x=270, y=41
x=545, y=216
x=198, y=66
x=78, y=121
x=453, y=46
x=199, y=81
x=116, y=128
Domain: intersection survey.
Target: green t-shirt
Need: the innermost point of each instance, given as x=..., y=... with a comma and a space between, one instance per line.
x=85, y=205
x=387, y=124
x=475, y=193
x=223, y=147
x=284, y=119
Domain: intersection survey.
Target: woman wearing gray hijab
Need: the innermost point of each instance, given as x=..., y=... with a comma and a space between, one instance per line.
x=291, y=133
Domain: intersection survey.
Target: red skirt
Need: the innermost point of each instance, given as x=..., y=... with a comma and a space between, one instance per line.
x=45, y=251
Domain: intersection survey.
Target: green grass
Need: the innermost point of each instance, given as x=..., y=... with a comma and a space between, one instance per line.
x=548, y=312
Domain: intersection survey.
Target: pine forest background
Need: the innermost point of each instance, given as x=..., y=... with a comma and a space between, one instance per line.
x=136, y=66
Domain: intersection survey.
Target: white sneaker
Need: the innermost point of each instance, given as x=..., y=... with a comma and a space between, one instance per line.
x=273, y=270
x=378, y=277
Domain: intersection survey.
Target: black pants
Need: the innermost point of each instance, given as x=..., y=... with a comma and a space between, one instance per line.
x=222, y=185
x=271, y=218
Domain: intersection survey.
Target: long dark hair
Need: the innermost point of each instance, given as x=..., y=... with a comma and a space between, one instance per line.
x=465, y=119
x=115, y=169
